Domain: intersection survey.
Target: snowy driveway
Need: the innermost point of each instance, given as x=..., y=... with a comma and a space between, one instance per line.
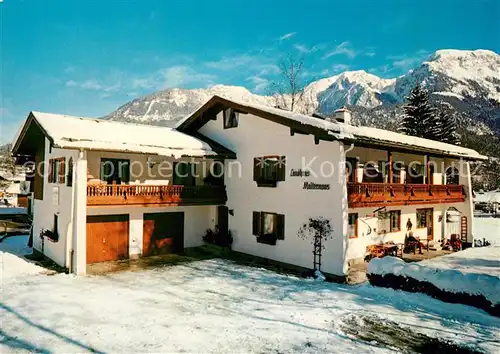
x=217, y=306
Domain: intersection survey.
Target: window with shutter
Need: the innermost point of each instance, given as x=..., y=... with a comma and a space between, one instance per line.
x=268, y=227
x=61, y=170
x=231, y=118
x=268, y=170
x=256, y=223
x=51, y=171
x=281, y=227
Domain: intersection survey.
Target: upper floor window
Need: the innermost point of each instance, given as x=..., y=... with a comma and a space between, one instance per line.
x=184, y=173
x=452, y=175
x=115, y=171
x=57, y=173
x=268, y=170
x=231, y=118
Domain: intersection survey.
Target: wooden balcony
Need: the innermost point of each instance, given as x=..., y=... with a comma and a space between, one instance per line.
x=152, y=195
x=385, y=194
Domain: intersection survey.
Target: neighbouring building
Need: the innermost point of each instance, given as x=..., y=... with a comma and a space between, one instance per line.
x=14, y=188
x=257, y=171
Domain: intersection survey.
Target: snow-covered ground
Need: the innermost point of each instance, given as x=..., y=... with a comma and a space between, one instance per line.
x=12, y=264
x=487, y=228
x=474, y=271
x=217, y=306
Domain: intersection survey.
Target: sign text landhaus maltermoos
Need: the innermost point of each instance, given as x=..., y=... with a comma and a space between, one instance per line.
x=317, y=186
x=308, y=185
x=299, y=173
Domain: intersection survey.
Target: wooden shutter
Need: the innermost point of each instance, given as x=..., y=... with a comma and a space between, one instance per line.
x=281, y=168
x=257, y=170
x=62, y=170
x=256, y=223
x=69, y=179
x=51, y=170
x=280, y=226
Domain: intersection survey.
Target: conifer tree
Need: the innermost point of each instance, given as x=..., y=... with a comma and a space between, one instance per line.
x=447, y=127
x=420, y=118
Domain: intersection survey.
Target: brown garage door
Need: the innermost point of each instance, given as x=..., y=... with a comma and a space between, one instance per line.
x=163, y=233
x=107, y=238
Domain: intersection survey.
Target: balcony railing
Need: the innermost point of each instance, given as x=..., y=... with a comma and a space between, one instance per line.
x=385, y=194
x=112, y=194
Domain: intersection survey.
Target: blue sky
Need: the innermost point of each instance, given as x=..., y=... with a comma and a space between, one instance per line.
x=89, y=57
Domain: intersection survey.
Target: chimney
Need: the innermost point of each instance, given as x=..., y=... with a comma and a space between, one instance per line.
x=343, y=115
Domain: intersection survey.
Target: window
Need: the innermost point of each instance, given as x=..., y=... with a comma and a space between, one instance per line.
x=424, y=218
x=351, y=164
x=57, y=172
x=268, y=227
x=231, y=118
x=268, y=170
x=115, y=171
x=452, y=175
x=394, y=221
x=184, y=174
x=352, y=229
x=69, y=177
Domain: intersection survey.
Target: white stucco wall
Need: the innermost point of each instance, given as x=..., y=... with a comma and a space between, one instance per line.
x=255, y=137
x=44, y=210
x=197, y=219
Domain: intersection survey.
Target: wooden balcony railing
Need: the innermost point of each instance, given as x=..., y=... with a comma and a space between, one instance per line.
x=385, y=194
x=112, y=194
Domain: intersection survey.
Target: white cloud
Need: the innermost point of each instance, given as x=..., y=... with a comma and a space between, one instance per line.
x=340, y=67
x=287, y=36
x=305, y=49
x=180, y=75
x=230, y=63
x=71, y=83
x=344, y=48
x=94, y=85
x=260, y=83
x=406, y=62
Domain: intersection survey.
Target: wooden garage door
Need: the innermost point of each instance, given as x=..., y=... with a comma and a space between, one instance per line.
x=163, y=233
x=107, y=238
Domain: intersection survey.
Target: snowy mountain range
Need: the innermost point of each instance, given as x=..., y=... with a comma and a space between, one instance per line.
x=467, y=81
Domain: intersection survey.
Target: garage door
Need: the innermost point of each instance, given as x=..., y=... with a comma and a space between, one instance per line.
x=107, y=238
x=163, y=233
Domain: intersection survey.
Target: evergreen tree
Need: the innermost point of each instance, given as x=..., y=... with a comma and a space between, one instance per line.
x=447, y=127
x=419, y=116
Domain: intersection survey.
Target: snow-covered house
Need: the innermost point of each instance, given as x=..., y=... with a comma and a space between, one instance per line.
x=14, y=189
x=257, y=171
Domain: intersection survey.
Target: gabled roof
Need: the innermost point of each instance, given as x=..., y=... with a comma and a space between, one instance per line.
x=70, y=132
x=327, y=130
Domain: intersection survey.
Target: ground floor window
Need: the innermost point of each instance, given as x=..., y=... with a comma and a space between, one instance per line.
x=394, y=220
x=424, y=218
x=352, y=230
x=268, y=227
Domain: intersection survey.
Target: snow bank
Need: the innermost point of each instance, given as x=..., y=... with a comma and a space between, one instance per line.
x=12, y=261
x=445, y=276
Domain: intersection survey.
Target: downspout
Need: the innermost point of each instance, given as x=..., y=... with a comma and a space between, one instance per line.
x=74, y=224
x=69, y=235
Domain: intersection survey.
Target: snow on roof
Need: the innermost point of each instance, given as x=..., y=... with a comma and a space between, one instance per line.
x=488, y=197
x=98, y=134
x=344, y=131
